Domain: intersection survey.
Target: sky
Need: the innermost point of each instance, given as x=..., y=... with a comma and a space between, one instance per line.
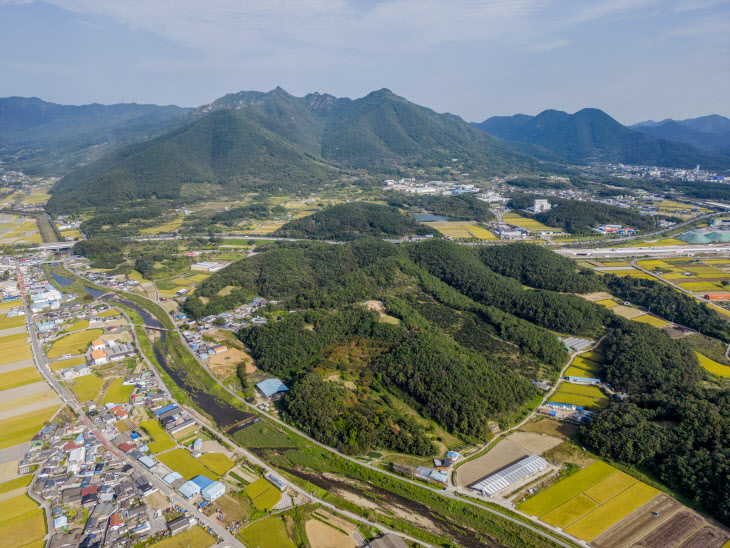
x=634, y=59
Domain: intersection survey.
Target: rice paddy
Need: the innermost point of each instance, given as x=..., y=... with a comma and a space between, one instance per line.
x=87, y=387
x=77, y=326
x=608, y=303
x=196, y=537
x=181, y=461
x=530, y=224
x=22, y=428
x=267, y=533
x=462, y=230
x=117, y=393
x=713, y=367
x=74, y=344
x=64, y=364
x=169, y=226
x=263, y=494
x=651, y=320
x=217, y=462
x=590, y=501
x=19, y=377
x=15, y=321
x=109, y=313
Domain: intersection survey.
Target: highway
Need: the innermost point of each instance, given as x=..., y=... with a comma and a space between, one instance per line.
x=655, y=251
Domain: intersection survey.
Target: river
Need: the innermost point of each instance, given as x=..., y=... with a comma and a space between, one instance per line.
x=223, y=413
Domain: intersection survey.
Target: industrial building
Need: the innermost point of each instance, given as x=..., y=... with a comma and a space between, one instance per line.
x=500, y=481
x=269, y=387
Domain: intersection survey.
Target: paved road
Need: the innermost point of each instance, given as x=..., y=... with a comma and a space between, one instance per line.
x=668, y=250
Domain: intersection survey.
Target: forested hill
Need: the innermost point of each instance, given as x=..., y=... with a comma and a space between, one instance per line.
x=225, y=148
x=578, y=217
x=47, y=138
x=280, y=143
x=345, y=222
x=592, y=135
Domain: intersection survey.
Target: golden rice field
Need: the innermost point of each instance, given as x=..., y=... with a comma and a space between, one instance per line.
x=196, y=537
x=653, y=263
x=530, y=224
x=701, y=286
x=263, y=494
x=15, y=321
x=76, y=343
x=267, y=228
x=584, y=362
x=713, y=367
x=22, y=428
x=564, y=490
x=25, y=532
x=77, y=326
x=657, y=243
x=181, y=461
x=651, y=320
x=613, y=511
x=63, y=364
x=217, y=462
x=590, y=501
x=16, y=403
x=116, y=392
x=71, y=233
x=87, y=387
x=462, y=229
x=136, y=277
x=37, y=197
x=109, y=313
x=19, y=377
x=199, y=277
x=608, y=303
x=165, y=227
x=633, y=273
x=582, y=390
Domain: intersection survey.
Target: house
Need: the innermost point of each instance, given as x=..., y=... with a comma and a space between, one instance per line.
x=98, y=357
x=97, y=344
x=179, y=525
x=115, y=521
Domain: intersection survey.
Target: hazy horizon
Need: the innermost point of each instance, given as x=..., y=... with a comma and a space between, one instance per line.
x=634, y=59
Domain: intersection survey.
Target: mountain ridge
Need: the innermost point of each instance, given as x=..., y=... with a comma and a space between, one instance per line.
x=592, y=135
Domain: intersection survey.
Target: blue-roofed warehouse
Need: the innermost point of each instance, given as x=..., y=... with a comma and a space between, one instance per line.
x=201, y=481
x=213, y=491
x=269, y=387
x=189, y=489
x=165, y=409
x=584, y=380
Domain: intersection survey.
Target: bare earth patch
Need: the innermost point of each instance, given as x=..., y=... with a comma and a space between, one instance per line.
x=321, y=535
x=595, y=297
x=224, y=365
x=506, y=452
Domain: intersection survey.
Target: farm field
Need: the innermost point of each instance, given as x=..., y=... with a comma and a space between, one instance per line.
x=629, y=272
x=530, y=224
x=152, y=427
x=267, y=533
x=81, y=324
x=87, y=387
x=19, y=377
x=587, y=397
x=462, y=229
x=627, y=312
x=169, y=226
x=713, y=367
x=601, y=503
x=181, y=461
x=217, y=462
x=321, y=535
x=26, y=532
x=263, y=494
x=116, y=393
x=76, y=343
x=23, y=427
x=64, y=364
x=651, y=320
x=36, y=197
x=161, y=442
x=109, y=313
x=15, y=321
x=608, y=303
x=197, y=537
x=17, y=483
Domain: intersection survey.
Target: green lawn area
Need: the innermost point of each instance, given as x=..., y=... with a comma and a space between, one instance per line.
x=267, y=533
x=218, y=462
x=262, y=434
x=181, y=461
x=116, y=393
x=87, y=387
